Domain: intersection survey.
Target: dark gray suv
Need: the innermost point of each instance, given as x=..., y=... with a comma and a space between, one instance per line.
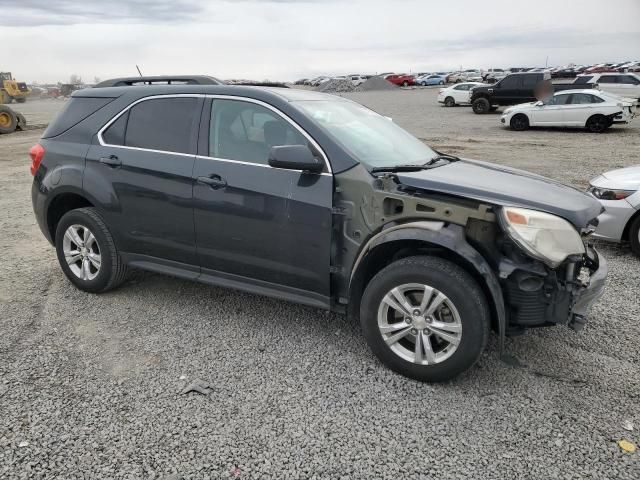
x=318, y=200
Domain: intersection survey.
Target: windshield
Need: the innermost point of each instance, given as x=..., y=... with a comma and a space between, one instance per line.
x=372, y=139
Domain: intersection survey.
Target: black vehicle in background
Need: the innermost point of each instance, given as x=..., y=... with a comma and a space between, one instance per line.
x=318, y=200
x=514, y=89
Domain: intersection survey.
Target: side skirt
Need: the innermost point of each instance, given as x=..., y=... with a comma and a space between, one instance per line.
x=227, y=280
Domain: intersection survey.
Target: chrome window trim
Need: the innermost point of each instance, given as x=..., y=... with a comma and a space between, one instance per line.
x=219, y=97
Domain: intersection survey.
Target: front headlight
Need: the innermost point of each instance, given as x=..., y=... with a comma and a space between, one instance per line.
x=546, y=237
x=609, y=193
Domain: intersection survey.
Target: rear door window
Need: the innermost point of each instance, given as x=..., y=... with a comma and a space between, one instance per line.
x=511, y=82
x=607, y=79
x=581, y=99
x=582, y=80
x=165, y=124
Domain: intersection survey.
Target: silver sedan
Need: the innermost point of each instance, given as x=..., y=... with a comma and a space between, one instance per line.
x=619, y=193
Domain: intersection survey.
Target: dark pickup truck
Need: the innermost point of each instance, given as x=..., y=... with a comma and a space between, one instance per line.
x=512, y=90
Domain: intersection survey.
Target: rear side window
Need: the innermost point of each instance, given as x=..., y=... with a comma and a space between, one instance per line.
x=510, y=82
x=76, y=110
x=530, y=81
x=165, y=124
x=582, y=80
x=114, y=135
x=628, y=79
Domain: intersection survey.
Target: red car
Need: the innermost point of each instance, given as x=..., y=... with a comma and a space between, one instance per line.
x=603, y=67
x=401, y=79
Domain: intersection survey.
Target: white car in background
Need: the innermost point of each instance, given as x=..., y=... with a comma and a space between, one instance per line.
x=619, y=193
x=458, y=94
x=626, y=85
x=357, y=79
x=591, y=109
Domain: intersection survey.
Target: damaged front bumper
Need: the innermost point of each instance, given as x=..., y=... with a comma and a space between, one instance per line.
x=591, y=289
x=536, y=296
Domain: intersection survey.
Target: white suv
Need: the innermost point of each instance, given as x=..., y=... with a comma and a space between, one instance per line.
x=623, y=84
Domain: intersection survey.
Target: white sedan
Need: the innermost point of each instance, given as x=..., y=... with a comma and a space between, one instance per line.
x=619, y=194
x=591, y=109
x=458, y=94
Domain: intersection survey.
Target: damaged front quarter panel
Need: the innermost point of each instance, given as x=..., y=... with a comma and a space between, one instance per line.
x=371, y=212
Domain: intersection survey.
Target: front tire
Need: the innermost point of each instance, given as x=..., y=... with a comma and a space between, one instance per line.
x=481, y=106
x=405, y=84
x=519, y=122
x=87, y=253
x=449, y=102
x=425, y=318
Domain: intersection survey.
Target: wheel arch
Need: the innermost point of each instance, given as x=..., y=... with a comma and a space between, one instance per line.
x=427, y=238
x=627, y=227
x=62, y=203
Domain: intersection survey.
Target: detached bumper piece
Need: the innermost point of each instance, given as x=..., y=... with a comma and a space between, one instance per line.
x=536, y=296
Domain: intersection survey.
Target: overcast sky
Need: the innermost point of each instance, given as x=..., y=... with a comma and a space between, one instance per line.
x=48, y=40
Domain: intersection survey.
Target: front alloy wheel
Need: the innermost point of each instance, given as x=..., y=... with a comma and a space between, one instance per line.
x=419, y=323
x=425, y=317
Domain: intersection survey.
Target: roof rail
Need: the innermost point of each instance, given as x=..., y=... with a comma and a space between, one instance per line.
x=160, y=80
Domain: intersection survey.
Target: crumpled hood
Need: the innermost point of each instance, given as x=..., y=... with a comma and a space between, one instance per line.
x=499, y=185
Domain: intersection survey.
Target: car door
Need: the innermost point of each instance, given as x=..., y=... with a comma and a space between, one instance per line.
x=505, y=92
x=141, y=165
x=255, y=224
x=461, y=93
x=628, y=86
x=608, y=83
x=551, y=113
x=579, y=108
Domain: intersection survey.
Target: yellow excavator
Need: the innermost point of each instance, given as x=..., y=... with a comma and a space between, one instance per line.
x=11, y=90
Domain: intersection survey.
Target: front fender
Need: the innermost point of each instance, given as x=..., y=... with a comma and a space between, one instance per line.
x=452, y=238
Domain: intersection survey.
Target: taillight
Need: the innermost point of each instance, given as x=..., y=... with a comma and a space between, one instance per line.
x=37, y=154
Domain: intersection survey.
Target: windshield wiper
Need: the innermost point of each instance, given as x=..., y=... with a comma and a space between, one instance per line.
x=416, y=167
x=399, y=168
x=442, y=156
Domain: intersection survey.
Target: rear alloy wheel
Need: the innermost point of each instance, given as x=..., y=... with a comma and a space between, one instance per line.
x=519, y=122
x=8, y=120
x=634, y=236
x=87, y=253
x=425, y=318
x=405, y=84
x=481, y=106
x=449, y=102
x=597, y=124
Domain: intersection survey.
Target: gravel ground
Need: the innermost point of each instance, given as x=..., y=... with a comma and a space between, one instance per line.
x=91, y=385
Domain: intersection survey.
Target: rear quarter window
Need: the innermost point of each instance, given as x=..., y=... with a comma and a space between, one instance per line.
x=75, y=110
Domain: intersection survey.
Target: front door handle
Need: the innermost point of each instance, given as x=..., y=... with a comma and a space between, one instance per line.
x=214, y=181
x=111, y=161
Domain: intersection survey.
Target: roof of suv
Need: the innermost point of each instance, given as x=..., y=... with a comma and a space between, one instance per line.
x=264, y=93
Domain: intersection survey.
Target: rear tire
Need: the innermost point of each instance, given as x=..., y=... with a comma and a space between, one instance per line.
x=83, y=236
x=449, y=102
x=21, y=99
x=405, y=84
x=597, y=124
x=8, y=120
x=519, y=122
x=634, y=236
x=481, y=106
x=412, y=345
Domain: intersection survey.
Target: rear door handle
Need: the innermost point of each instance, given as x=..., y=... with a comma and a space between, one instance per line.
x=214, y=181
x=111, y=161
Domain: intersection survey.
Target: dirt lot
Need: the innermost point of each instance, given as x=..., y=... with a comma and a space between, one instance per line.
x=90, y=385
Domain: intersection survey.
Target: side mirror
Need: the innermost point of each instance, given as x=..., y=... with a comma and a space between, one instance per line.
x=294, y=157
x=539, y=103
